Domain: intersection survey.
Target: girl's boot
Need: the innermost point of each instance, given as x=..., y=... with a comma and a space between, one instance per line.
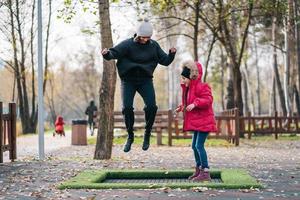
x=204, y=175
x=195, y=174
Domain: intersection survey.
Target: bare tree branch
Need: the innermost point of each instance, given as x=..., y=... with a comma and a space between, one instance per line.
x=246, y=31
x=176, y=34
x=189, y=5
x=169, y=27
x=205, y=19
x=178, y=18
x=208, y=56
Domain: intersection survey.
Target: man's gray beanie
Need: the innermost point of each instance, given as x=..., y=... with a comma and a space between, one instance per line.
x=145, y=29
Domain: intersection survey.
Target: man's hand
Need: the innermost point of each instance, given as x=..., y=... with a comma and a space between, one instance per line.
x=190, y=107
x=173, y=50
x=104, y=51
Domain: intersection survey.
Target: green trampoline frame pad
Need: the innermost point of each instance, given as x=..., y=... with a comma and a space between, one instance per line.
x=94, y=179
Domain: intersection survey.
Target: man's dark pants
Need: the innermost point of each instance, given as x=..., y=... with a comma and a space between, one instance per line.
x=145, y=88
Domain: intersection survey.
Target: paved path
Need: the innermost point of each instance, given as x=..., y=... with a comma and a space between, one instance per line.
x=276, y=165
x=27, y=146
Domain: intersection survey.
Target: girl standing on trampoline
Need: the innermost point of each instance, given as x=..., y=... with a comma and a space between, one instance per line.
x=198, y=115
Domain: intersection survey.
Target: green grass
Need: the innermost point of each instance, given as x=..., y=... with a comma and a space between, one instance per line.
x=175, y=142
x=265, y=138
x=47, y=132
x=93, y=179
x=266, y=126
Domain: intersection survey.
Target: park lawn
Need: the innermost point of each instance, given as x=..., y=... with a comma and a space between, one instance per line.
x=48, y=131
x=175, y=142
x=95, y=179
x=120, y=140
x=281, y=137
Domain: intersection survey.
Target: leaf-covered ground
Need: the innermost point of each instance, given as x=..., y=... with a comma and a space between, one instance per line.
x=276, y=164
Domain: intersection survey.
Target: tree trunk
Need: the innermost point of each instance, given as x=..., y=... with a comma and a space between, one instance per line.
x=33, y=111
x=211, y=46
x=286, y=81
x=196, y=30
x=297, y=30
x=250, y=95
x=237, y=85
x=27, y=128
x=227, y=26
x=223, y=64
x=107, y=89
x=235, y=52
x=229, y=43
x=172, y=103
x=275, y=67
x=229, y=89
x=51, y=101
x=16, y=18
x=245, y=92
x=47, y=45
x=14, y=89
x=231, y=52
x=297, y=100
x=257, y=77
x=273, y=106
x=16, y=62
x=293, y=52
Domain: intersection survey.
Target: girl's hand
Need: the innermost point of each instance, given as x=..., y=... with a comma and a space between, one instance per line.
x=173, y=50
x=178, y=109
x=190, y=107
x=104, y=51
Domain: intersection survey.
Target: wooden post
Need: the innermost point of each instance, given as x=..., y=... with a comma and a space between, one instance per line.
x=159, y=136
x=158, y=130
x=249, y=125
x=270, y=124
x=176, y=126
x=1, y=135
x=13, y=142
x=8, y=134
x=229, y=127
x=289, y=124
x=296, y=122
x=276, y=125
x=237, y=127
x=218, y=127
x=262, y=124
x=170, y=121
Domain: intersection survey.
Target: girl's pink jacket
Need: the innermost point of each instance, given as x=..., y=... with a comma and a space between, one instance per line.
x=201, y=118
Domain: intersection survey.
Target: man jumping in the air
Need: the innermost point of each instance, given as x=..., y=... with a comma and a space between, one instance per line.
x=137, y=58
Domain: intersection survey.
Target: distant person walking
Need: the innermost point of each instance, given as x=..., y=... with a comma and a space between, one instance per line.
x=91, y=113
x=137, y=58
